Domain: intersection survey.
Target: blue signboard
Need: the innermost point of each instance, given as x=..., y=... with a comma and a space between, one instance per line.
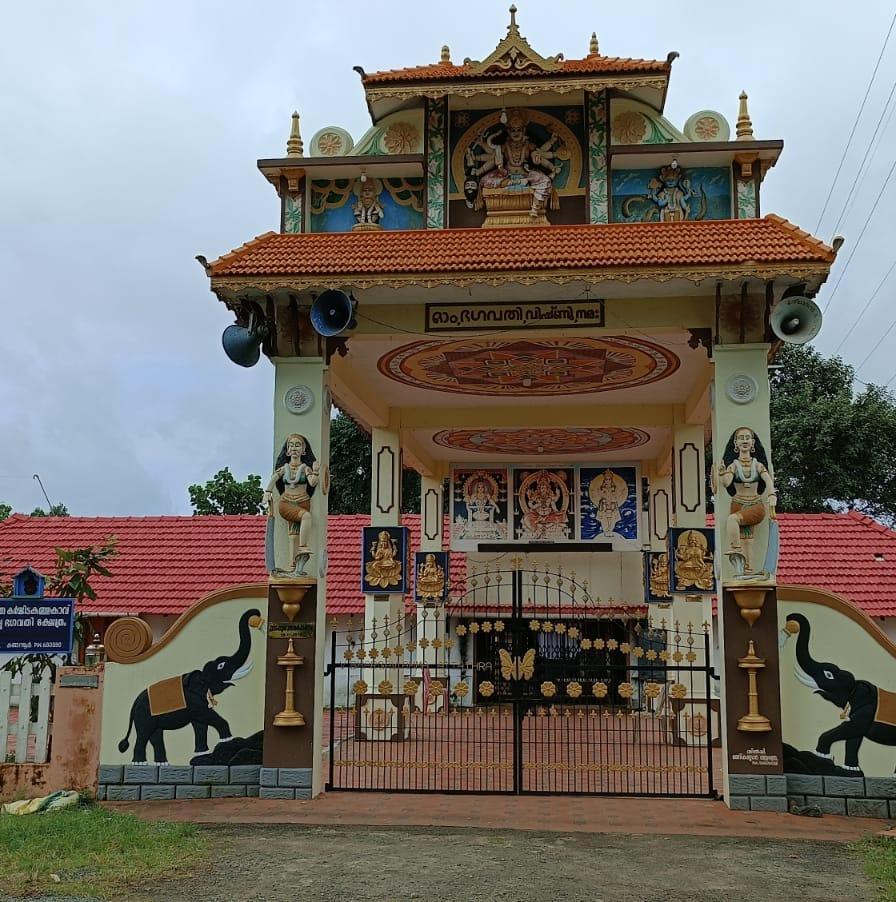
x=31, y=624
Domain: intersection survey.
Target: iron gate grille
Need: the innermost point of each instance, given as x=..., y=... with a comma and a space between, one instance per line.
x=546, y=693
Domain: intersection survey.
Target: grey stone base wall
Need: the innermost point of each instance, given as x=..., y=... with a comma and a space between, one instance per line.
x=154, y=782
x=854, y=796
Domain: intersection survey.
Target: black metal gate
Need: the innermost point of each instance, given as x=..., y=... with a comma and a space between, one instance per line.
x=527, y=685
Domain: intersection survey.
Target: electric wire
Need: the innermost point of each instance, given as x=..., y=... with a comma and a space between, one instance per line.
x=880, y=341
x=864, y=310
x=856, y=123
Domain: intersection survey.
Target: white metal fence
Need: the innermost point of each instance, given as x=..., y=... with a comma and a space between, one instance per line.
x=23, y=740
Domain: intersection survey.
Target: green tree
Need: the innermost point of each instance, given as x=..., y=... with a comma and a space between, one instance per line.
x=56, y=510
x=223, y=494
x=832, y=447
x=350, y=471
x=5, y=510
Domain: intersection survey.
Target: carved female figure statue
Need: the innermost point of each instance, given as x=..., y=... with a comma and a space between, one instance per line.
x=383, y=569
x=608, y=503
x=693, y=563
x=296, y=474
x=745, y=475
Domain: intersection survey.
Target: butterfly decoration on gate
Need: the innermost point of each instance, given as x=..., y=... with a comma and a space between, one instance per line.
x=517, y=668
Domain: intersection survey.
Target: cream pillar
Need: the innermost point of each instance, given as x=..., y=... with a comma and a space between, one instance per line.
x=304, y=382
x=748, y=627
x=431, y=621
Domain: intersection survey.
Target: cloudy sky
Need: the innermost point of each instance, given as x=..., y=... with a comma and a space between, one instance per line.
x=131, y=132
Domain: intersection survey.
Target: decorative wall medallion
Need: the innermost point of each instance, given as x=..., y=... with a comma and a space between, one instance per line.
x=629, y=127
x=741, y=388
x=401, y=137
x=331, y=141
x=298, y=399
x=541, y=441
x=707, y=125
x=535, y=367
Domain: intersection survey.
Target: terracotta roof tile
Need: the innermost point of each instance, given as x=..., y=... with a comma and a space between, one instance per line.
x=770, y=240
x=167, y=563
x=589, y=65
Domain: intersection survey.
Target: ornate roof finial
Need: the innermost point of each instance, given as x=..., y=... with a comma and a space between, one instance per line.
x=593, y=49
x=294, y=146
x=744, y=127
x=446, y=54
x=512, y=28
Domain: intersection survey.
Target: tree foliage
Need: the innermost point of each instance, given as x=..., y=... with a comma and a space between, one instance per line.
x=5, y=510
x=832, y=447
x=56, y=510
x=350, y=470
x=223, y=494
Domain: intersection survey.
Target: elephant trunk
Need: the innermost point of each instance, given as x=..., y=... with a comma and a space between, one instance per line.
x=242, y=653
x=804, y=659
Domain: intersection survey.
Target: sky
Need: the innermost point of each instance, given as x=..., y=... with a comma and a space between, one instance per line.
x=130, y=138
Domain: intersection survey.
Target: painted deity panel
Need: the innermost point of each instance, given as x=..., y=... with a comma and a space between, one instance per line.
x=384, y=555
x=608, y=498
x=342, y=205
x=656, y=577
x=544, y=505
x=430, y=577
x=691, y=561
x=671, y=194
x=479, y=510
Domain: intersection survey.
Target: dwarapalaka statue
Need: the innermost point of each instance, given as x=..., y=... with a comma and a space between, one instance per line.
x=745, y=475
x=296, y=474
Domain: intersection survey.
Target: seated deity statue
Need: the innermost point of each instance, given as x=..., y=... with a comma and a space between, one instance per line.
x=383, y=570
x=693, y=563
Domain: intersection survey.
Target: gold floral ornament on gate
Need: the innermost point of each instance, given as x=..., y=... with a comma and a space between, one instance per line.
x=626, y=690
x=461, y=689
x=548, y=689
x=436, y=688
x=360, y=687
x=678, y=690
x=652, y=690
x=385, y=687
x=410, y=687
x=486, y=689
x=574, y=690
x=461, y=629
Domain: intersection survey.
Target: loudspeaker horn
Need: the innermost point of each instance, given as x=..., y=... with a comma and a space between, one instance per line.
x=796, y=320
x=332, y=313
x=242, y=345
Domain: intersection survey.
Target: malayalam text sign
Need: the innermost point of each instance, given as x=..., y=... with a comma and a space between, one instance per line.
x=36, y=626
x=461, y=317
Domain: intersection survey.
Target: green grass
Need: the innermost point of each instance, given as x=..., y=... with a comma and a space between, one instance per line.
x=879, y=855
x=92, y=851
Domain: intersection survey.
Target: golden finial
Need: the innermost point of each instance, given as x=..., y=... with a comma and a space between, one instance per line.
x=446, y=53
x=593, y=47
x=744, y=127
x=294, y=146
x=513, y=25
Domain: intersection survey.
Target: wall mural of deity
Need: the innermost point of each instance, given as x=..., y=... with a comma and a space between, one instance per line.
x=691, y=554
x=608, y=498
x=545, y=505
x=344, y=205
x=670, y=194
x=478, y=506
x=384, y=551
x=516, y=163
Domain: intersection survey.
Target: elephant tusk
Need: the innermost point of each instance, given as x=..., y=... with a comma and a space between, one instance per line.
x=805, y=679
x=243, y=671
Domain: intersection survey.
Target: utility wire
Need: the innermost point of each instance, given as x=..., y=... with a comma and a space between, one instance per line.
x=880, y=341
x=856, y=123
x=864, y=310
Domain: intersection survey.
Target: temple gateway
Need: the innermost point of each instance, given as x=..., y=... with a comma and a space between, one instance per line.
x=554, y=304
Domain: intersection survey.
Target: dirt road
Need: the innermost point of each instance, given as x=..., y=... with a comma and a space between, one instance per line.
x=377, y=864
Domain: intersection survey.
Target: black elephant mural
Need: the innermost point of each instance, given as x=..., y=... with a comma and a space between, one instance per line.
x=867, y=711
x=189, y=700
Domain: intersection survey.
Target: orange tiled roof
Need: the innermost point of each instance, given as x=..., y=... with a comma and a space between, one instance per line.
x=650, y=245
x=590, y=65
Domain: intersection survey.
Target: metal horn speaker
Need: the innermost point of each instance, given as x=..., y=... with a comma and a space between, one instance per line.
x=243, y=345
x=332, y=313
x=796, y=320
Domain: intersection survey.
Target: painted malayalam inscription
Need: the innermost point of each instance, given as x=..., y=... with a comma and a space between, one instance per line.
x=476, y=317
x=36, y=626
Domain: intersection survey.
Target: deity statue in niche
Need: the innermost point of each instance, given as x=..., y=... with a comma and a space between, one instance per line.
x=659, y=575
x=669, y=198
x=745, y=475
x=383, y=570
x=296, y=475
x=430, y=578
x=693, y=562
x=544, y=506
x=505, y=160
x=367, y=210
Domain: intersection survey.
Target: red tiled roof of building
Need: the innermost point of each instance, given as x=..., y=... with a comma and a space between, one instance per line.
x=165, y=564
x=771, y=240
x=589, y=65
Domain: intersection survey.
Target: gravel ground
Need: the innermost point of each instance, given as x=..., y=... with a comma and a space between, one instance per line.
x=373, y=864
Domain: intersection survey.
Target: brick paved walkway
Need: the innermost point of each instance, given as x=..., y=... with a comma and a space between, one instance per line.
x=563, y=814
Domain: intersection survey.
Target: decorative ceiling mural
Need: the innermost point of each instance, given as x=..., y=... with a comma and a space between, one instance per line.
x=529, y=367
x=541, y=441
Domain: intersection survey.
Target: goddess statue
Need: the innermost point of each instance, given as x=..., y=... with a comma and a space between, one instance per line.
x=430, y=579
x=296, y=475
x=607, y=507
x=693, y=563
x=745, y=475
x=383, y=570
x=659, y=575
x=516, y=164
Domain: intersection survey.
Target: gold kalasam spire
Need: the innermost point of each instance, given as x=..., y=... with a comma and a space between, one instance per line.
x=744, y=127
x=446, y=53
x=294, y=146
x=593, y=49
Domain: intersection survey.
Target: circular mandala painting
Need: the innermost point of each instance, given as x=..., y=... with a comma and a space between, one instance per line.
x=540, y=441
x=529, y=367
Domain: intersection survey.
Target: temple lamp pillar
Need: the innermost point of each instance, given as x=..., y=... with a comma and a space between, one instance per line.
x=431, y=619
x=746, y=557
x=296, y=552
